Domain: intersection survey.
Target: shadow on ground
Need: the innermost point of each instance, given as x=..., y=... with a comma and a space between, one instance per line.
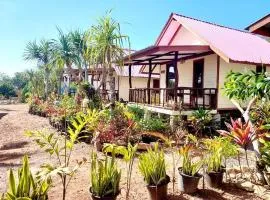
x=2, y=115
x=13, y=145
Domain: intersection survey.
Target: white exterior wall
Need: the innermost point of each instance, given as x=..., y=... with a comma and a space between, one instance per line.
x=137, y=82
x=225, y=68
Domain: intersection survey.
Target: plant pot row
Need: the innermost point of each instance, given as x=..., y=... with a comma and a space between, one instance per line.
x=189, y=184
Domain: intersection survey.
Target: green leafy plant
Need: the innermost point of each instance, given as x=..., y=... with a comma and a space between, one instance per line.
x=27, y=187
x=137, y=111
x=152, y=166
x=154, y=124
x=202, y=121
x=62, y=150
x=128, y=154
x=189, y=166
x=105, y=176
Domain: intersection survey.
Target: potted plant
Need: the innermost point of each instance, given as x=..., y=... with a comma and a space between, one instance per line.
x=215, y=169
x=152, y=167
x=105, y=178
x=189, y=172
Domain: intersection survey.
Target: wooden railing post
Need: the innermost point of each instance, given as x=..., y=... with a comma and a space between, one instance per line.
x=149, y=81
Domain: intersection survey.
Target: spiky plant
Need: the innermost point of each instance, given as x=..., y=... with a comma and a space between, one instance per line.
x=27, y=187
x=105, y=176
x=241, y=133
x=152, y=166
x=189, y=167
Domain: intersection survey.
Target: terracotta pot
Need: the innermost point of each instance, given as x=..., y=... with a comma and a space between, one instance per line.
x=158, y=192
x=188, y=184
x=214, y=179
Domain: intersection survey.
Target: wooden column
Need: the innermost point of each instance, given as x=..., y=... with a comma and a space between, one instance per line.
x=217, y=81
x=130, y=83
x=129, y=76
x=176, y=77
x=149, y=82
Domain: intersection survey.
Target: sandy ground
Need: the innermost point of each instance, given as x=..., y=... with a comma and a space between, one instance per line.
x=14, y=120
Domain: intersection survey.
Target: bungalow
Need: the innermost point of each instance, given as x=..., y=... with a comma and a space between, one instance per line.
x=261, y=26
x=121, y=75
x=193, y=58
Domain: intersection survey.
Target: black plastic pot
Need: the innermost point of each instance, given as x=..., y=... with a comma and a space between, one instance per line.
x=159, y=192
x=188, y=184
x=214, y=179
x=113, y=197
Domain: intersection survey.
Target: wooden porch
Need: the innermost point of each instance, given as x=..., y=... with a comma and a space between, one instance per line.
x=187, y=98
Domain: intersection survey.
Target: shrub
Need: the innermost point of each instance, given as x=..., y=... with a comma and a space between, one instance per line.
x=189, y=166
x=152, y=166
x=154, y=124
x=137, y=111
x=105, y=176
x=27, y=187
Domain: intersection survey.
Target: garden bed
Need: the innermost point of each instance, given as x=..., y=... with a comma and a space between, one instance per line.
x=14, y=145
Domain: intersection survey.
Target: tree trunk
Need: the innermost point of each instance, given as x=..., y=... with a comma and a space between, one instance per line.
x=46, y=81
x=112, y=86
x=85, y=73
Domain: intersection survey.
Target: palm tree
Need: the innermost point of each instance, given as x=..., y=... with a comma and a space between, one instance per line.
x=106, y=45
x=65, y=51
x=42, y=53
x=79, y=44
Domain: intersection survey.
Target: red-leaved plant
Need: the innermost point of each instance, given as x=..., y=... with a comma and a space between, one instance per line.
x=241, y=133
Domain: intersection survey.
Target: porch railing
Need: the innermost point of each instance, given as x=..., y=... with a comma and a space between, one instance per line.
x=172, y=98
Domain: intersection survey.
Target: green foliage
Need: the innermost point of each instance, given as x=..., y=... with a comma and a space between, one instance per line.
x=265, y=152
x=242, y=86
x=202, y=122
x=189, y=166
x=27, y=187
x=137, y=111
x=7, y=90
x=154, y=124
x=105, y=176
x=62, y=150
x=152, y=166
x=218, y=148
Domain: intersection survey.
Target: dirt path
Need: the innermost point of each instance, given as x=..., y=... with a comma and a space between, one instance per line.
x=14, y=120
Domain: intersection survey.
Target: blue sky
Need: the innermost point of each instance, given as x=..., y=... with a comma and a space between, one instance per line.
x=25, y=20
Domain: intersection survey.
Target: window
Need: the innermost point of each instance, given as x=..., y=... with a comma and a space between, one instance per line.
x=260, y=68
x=170, y=79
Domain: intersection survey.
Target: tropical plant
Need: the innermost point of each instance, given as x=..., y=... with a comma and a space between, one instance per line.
x=105, y=176
x=27, y=187
x=202, y=121
x=137, y=111
x=241, y=133
x=244, y=89
x=42, y=53
x=63, y=152
x=155, y=124
x=106, y=46
x=190, y=166
x=65, y=52
x=152, y=166
x=78, y=41
x=128, y=154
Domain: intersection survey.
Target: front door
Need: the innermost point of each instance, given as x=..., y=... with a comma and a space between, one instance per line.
x=198, y=75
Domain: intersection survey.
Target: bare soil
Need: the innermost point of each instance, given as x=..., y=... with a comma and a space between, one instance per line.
x=14, y=120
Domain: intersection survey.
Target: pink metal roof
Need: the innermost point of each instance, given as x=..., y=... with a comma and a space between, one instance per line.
x=231, y=44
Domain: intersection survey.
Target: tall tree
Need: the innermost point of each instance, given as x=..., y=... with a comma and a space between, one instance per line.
x=42, y=53
x=77, y=38
x=106, y=46
x=65, y=52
